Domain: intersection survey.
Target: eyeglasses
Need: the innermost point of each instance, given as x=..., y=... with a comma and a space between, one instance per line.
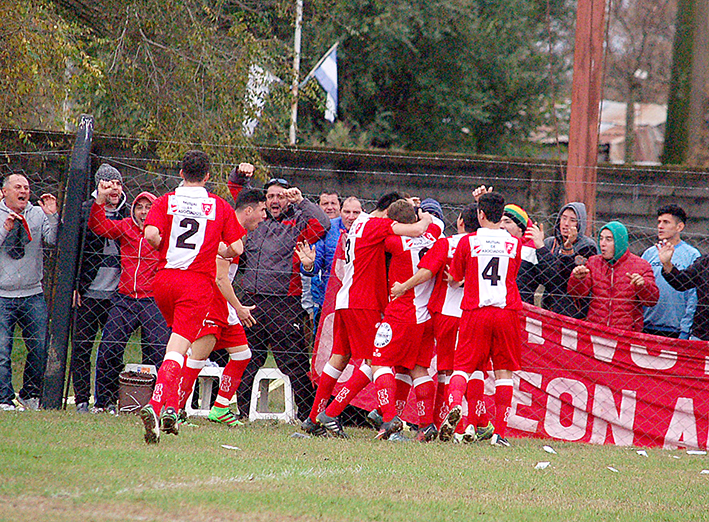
x=277, y=181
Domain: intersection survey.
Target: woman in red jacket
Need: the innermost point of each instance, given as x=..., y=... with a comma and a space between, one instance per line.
x=134, y=305
x=620, y=283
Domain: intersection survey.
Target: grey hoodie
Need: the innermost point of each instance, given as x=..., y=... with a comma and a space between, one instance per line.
x=23, y=277
x=555, y=268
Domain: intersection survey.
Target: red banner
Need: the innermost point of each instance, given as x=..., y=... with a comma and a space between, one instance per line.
x=585, y=382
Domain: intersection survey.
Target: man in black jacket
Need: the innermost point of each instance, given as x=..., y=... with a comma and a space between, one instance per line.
x=98, y=277
x=271, y=282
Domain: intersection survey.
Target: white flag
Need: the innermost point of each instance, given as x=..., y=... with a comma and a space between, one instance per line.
x=326, y=74
x=257, y=88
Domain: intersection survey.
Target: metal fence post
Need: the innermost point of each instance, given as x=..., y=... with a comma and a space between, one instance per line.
x=66, y=266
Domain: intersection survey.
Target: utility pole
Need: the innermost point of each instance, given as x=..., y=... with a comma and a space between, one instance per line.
x=296, y=71
x=585, y=99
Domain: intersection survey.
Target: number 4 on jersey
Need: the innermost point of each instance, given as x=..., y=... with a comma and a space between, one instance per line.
x=491, y=271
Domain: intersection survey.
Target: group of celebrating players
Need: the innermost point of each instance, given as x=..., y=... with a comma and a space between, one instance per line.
x=453, y=296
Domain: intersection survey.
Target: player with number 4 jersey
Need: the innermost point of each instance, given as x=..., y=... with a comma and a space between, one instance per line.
x=487, y=262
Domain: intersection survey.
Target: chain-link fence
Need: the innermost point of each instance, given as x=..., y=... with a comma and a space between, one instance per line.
x=115, y=321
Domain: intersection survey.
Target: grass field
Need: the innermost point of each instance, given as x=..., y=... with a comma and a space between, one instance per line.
x=61, y=466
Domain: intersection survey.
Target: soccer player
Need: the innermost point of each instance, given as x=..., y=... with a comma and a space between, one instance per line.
x=186, y=227
x=358, y=309
x=404, y=338
x=444, y=307
x=222, y=328
x=487, y=261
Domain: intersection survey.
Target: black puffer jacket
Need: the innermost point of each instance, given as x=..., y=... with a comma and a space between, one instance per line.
x=694, y=276
x=554, y=268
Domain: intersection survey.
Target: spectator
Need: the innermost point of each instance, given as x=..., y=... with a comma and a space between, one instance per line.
x=22, y=302
x=558, y=256
x=134, y=305
x=330, y=203
x=673, y=314
x=696, y=276
x=515, y=220
x=271, y=283
x=620, y=283
x=318, y=261
x=99, y=273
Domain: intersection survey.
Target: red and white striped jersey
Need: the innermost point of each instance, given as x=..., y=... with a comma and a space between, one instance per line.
x=445, y=299
x=488, y=260
x=412, y=307
x=221, y=310
x=192, y=223
x=364, y=282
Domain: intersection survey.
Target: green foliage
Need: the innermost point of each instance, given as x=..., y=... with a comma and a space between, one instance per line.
x=444, y=75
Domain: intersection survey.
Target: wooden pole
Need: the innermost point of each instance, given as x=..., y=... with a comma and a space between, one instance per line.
x=585, y=100
x=296, y=71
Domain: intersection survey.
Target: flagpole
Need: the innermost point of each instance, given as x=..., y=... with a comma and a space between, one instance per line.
x=296, y=70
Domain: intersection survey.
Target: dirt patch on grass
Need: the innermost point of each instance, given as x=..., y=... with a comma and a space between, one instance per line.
x=41, y=509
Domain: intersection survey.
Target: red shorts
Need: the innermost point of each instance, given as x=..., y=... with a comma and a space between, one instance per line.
x=354, y=331
x=184, y=298
x=403, y=344
x=489, y=333
x=445, y=331
x=227, y=336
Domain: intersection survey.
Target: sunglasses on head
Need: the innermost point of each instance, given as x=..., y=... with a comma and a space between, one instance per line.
x=277, y=181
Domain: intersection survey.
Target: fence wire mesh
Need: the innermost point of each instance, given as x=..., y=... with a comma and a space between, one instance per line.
x=115, y=320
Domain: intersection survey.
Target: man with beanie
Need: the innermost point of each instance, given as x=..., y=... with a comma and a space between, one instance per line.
x=557, y=257
x=23, y=228
x=515, y=220
x=99, y=274
x=619, y=283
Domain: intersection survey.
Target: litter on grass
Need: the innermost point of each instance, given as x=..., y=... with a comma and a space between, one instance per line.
x=297, y=435
x=642, y=453
x=542, y=465
x=696, y=452
x=611, y=468
x=226, y=446
x=704, y=472
x=549, y=449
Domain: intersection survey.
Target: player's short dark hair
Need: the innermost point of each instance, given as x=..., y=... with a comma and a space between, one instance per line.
x=387, y=199
x=330, y=192
x=493, y=205
x=673, y=210
x=249, y=198
x=469, y=215
x=402, y=211
x=195, y=166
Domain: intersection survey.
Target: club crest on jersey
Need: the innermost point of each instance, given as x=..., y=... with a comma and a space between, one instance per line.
x=205, y=208
x=509, y=246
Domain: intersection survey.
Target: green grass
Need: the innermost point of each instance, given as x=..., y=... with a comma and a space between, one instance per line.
x=63, y=466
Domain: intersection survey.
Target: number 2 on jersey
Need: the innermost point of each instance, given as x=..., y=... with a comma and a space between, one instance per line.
x=491, y=271
x=192, y=226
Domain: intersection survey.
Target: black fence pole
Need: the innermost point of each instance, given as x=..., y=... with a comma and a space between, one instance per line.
x=66, y=265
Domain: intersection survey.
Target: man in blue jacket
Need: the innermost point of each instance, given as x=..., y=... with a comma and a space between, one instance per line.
x=673, y=314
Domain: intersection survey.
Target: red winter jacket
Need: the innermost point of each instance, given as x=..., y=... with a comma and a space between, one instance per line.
x=139, y=260
x=614, y=301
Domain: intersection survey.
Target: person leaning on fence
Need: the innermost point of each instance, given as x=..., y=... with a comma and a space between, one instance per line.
x=134, y=305
x=316, y=261
x=24, y=228
x=272, y=283
x=694, y=276
x=188, y=227
x=558, y=256
x=99, y=274
x=673, y=314
x=619, y=283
